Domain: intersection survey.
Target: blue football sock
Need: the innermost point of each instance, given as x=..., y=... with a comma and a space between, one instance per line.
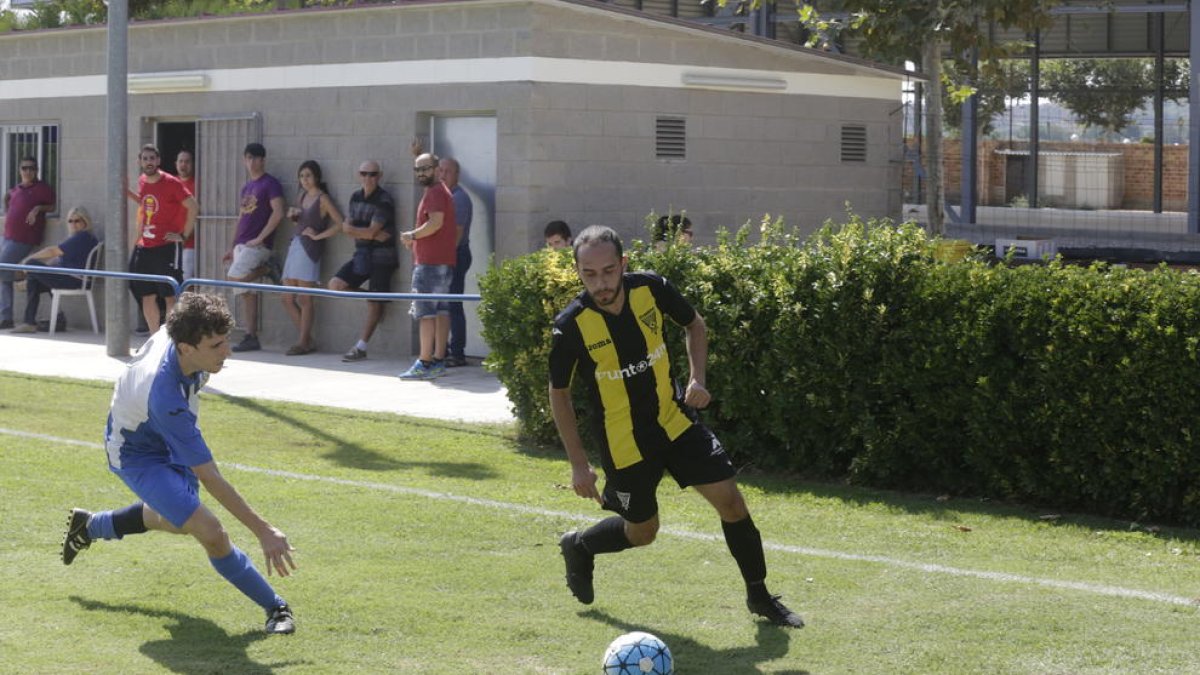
x=100, y=526
x=239, y=571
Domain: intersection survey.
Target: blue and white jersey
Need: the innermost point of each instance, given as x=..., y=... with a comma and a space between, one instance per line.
x=152, y=420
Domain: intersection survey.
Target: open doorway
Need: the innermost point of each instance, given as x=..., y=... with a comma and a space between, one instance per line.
x=171, y=137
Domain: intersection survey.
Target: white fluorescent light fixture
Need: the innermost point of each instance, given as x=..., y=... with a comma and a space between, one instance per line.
x=164, y=83
x=723, y=81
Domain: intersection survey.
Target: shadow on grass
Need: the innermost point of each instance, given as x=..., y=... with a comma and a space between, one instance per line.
x=955, y=510
x=196, y=645
x=356, y=456
x=771, y=642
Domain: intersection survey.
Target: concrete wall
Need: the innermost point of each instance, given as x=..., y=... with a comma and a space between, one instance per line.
x=581, y=152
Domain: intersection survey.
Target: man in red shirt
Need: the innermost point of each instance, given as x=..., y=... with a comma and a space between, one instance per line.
x=25, y=209
x=433, y=242
x=166, y=216
x=185, y=167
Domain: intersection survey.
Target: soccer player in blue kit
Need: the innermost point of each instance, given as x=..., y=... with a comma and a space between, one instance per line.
x=154, y=445
x=612, y=336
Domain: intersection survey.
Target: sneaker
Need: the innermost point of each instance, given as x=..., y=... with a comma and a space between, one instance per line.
x=142, y=328
x=25, y=328
x=355, y=354
x=274, y=272
x=249, y=343
x=419, y=371
x=580, y=564
x=456, y=361
x=776, y=611
x=438, y=369
x=280, y=621
x=6, y=324
x=77, y=537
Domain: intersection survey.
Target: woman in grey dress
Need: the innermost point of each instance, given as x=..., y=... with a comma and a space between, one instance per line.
x=313, y=215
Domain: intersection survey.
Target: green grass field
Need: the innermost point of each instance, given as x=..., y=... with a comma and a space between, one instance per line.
x=428, y=547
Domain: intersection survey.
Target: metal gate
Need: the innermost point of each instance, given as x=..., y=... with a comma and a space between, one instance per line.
x=220, y=175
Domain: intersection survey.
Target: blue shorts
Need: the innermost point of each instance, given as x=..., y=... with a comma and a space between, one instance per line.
x=172, y=490
x=431, y=279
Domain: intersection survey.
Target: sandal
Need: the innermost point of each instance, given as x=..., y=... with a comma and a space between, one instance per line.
x=300, y=350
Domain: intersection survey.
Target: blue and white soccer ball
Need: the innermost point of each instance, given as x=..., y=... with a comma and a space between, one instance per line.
x=638, y=653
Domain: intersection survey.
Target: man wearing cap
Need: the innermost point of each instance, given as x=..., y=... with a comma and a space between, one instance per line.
x=261, y=209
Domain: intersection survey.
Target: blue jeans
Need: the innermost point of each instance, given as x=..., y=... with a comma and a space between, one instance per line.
x=10, y=252
x=458, y=320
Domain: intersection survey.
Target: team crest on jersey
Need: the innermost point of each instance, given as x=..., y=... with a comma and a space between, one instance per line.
x=623, y=497
x=650, y=318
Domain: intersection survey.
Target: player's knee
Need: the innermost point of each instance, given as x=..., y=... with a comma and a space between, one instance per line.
x=215, y=541
x=642, y=534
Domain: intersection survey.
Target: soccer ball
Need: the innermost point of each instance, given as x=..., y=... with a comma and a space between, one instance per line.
x=638, y=653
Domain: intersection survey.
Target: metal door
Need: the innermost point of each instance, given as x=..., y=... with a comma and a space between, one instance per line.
x=220, y=175
x=472, y=141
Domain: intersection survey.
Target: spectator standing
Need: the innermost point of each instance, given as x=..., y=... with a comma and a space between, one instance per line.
x=166, y=216
x=371, y=223
x=313, y=213
x=72, y=252
x=25, y=209
x=433, y=243
x=557, y=235
x=448, y=172
x=251, y=258
x=185, y=169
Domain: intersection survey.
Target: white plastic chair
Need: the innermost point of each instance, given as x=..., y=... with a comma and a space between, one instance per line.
x=93, y=262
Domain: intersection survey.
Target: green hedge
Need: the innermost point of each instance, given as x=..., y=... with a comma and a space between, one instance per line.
x=854, y=355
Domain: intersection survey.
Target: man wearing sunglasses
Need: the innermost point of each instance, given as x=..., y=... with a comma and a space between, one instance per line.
x=25, y=209
x=371, y=223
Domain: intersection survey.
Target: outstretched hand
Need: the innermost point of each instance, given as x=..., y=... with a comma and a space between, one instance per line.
x=278, y=552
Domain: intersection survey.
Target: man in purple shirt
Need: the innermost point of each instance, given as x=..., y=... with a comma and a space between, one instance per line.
x=250, y=259
x=25, y=209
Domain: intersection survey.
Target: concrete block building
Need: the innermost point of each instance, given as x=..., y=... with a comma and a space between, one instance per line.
x=556, y=109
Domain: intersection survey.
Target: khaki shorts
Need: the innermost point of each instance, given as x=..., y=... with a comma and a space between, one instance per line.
x=246, y=259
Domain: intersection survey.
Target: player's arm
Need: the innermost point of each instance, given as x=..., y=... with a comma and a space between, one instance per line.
x=330, y=211
x=695, y=339
x=193, y=210
x=583, y=477
x=274, y=543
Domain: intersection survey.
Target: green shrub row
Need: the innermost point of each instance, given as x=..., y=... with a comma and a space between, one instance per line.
x=853, y=354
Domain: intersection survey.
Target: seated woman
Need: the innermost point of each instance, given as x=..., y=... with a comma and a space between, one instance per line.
x=72, y=252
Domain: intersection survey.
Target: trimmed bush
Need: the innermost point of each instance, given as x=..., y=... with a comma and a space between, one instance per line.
x=853, y=355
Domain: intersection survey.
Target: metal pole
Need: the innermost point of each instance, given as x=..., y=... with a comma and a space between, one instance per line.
x=1193, y=219
x=1159, y=74
x=970, y=148
x=116, y=249
x=1035, y=85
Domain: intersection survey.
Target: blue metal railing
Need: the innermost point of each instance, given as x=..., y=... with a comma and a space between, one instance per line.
x=224, y=283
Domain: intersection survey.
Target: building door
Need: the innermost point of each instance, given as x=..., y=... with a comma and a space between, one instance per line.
x=472, y=141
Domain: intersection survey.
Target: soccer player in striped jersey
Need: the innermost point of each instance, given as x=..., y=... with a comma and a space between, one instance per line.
x=612, y=336
x=155, y=447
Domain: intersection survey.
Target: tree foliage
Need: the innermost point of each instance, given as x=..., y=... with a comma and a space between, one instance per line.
x=1104, y=93
x=995, y=86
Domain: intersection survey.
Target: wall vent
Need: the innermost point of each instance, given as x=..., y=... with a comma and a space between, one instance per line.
x=854, y=143
x=670, y=138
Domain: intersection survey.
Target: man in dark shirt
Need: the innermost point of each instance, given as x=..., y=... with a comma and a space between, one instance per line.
x=371, y=222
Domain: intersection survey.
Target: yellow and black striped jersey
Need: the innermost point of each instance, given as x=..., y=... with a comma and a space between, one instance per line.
x=625, y=363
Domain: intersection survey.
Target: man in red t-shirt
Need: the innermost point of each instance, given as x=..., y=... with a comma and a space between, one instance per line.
x=166, y=216
x=433, y=242
x=25, y=209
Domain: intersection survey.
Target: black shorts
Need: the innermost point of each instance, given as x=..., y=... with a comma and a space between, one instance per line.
x=165, y=260
x=376, y=265
x=695, y=458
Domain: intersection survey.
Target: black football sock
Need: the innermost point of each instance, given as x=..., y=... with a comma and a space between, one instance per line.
x=128, y=520
x=606, y=536
x=745, y=543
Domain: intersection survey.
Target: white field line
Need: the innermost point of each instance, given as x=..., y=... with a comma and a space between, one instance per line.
x=928, y=568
